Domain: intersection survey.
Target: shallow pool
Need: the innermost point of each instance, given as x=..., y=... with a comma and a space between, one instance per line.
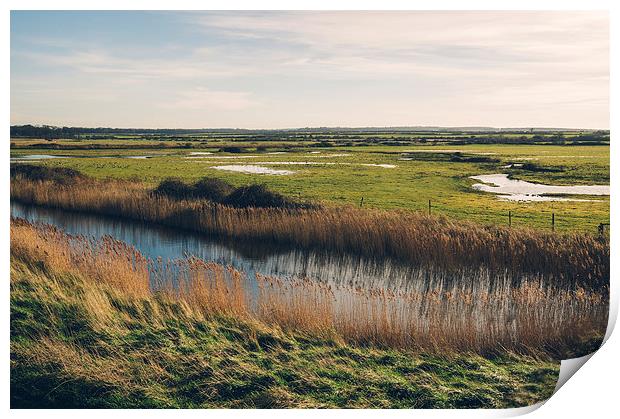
x=521, y=190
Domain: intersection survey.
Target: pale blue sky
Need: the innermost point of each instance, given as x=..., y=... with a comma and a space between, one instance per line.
x=299, y=69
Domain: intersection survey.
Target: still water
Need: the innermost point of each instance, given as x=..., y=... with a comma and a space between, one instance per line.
x=249, y=257
x=520, y=190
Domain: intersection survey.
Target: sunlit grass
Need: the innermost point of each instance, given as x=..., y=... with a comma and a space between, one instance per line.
x=409, y=186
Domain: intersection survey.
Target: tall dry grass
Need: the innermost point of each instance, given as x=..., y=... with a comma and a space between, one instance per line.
x=413, y=238
x=106, y=261
x=479, y=313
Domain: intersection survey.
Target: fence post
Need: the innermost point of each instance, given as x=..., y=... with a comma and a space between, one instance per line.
x=509, y=218
x=553, y=221
x=429, y=207
x=362, y=202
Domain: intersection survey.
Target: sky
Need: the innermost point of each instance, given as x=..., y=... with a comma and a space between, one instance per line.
x=310, y=69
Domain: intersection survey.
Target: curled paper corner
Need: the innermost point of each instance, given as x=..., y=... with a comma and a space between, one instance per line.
x=520, y=411
x=568, y=368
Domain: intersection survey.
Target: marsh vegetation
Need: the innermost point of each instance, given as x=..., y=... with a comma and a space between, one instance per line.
x=415, y=238
x=88, y=331
x=481, y=307
x=472, y=310
x=386, y=176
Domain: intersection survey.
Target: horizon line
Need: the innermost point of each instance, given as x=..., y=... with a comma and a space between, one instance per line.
x=463, y=127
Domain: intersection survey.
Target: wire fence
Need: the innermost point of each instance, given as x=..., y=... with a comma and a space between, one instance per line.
x=554, y=220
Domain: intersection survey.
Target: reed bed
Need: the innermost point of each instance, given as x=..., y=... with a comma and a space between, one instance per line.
x=413, y=238
x=480, y=313
x=528, y=318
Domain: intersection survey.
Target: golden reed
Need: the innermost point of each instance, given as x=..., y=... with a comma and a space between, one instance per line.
x=413, y=238
x=478, y=314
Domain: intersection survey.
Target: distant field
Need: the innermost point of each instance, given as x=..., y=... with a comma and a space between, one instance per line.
x=346, y=178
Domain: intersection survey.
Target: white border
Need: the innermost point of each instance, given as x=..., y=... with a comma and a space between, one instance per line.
x=592, y=393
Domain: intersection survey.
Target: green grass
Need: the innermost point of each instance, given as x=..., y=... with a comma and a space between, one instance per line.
x=408, y=186
x=75, y=343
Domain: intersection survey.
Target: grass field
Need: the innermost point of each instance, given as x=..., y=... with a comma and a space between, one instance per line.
x=345, y=180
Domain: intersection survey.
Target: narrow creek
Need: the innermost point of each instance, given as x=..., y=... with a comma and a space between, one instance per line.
x=249, y=257
x=383, y=298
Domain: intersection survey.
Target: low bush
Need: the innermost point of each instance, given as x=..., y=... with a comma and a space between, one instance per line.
x=212, y=189
x=233, y=149
x=221, y=192
x=533, y=167
x=459, y=158
x=323, y=144
x=174, y=188
x=258, y=196
x=34, y=172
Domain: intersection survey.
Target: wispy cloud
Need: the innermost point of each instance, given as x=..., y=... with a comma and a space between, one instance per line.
x=519, y=33
x=348, y=68
x=202, y=98
x=197, y=64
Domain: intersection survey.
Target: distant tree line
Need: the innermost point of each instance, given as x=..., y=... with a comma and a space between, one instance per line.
x=557, y=139
x=322, y=135
x=52, y=132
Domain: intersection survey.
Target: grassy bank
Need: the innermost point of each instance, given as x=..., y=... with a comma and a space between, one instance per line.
x=86, y=331
x=414, y=238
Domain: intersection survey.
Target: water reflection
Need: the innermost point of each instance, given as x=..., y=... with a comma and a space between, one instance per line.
x=249, y=257
x=38, y=157
x=520, y=190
